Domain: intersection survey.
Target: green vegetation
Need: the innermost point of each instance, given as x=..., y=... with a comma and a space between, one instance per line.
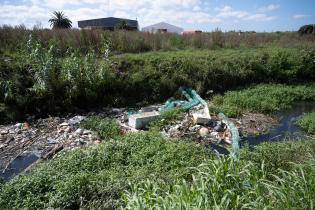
x=262, y=98
x=106, y=128
x=39, y=81
x=12, y=39
x=59, y=20
x=166, y=118
x=280, y=155
x=149, y=171
x=96, y=177
x=226, y=184
x=307, y=122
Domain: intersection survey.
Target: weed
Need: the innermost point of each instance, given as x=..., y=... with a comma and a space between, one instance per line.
x=166, y=118
x=106, y=128
x=262, y=98
x=307, y=122
x=228, y=184
x=96, y=177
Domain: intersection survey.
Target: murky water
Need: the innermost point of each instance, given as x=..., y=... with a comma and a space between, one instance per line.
x=287, y=125
x=18, y=165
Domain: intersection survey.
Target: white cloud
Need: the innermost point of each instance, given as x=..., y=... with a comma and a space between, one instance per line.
x=147, y=12
x=17, y=15
x=300, y=16
x=269, y=8
x=260, y=17
x=229, y=12
x=196, y=8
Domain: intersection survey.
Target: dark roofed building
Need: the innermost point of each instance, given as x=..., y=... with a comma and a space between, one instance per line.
x=109, y=23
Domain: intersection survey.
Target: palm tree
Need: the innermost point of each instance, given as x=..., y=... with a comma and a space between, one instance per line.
x=59, y=20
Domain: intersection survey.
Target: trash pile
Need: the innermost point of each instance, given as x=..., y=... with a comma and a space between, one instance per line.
x=44, y=138
x=197, y=122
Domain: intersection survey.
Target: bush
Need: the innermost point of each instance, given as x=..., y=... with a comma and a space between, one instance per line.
x=226, y=184
x=262, y=98
x=166, y=118
x=96, y=177
x=307, y=122
x=41, y=82
x=280, y=155
x=106, y=128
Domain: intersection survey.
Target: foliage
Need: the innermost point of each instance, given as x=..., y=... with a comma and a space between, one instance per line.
x=43, y=82
x=59, y=20
x=105, y=127
x=12, y=38
x=166, y=118
x=122, y=25
x=95, y=177
x=262, y=98
x=307, y=29
x=228, y=184
x=307, y=122
x=280, y=155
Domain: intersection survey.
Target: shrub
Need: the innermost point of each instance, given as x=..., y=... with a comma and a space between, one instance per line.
x=226, y=184
x=307, y=122
x=262, y=98
x=105, y=127
x=166, y=118
x=96, y=177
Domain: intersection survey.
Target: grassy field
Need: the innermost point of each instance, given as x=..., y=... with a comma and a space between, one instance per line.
x=13, y=39
x=142, y=171
x=39, y=81
x=58, y=71
x=307, y=122
x=263, y=99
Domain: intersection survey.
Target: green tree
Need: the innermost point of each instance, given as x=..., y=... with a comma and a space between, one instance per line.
x=122, y=25
x=59, y=20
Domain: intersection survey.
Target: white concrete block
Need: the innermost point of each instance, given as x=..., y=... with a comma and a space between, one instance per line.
x=202, y=117
x=140, y=120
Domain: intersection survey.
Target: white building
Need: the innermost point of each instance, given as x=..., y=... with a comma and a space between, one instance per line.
x=163, y=28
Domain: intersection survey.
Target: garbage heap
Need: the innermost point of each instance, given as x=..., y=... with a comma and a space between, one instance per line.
x=197, y=122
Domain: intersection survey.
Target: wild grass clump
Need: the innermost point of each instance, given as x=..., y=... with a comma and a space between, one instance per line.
x=262, y=98
x=229, y=184
x=38, y=81
x=307, y=122
x=280, y=155
x=12, y=38
x=166, y=117
x=96, y=177
x=106, y=128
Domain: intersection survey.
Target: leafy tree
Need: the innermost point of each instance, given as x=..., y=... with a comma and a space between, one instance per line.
x=59, y=20
x=122, y=25
x=307, y=29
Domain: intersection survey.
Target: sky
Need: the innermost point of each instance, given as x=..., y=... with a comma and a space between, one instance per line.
x=205, y=15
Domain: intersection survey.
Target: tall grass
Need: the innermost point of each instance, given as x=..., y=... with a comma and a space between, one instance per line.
x=38, y=80
x=226, y=184
x=307, y=122
x=262, y=98
x=96, y=177
x=12, y=38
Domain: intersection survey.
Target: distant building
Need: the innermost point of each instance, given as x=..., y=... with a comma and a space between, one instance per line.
x=109, y=23
x=163, y=28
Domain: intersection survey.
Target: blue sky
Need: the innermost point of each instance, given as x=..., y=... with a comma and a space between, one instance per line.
x=206, y=15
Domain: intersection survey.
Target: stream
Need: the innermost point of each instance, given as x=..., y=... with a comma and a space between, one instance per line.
x=284, y=129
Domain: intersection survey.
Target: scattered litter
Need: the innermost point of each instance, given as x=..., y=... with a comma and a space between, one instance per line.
x=197, y=122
